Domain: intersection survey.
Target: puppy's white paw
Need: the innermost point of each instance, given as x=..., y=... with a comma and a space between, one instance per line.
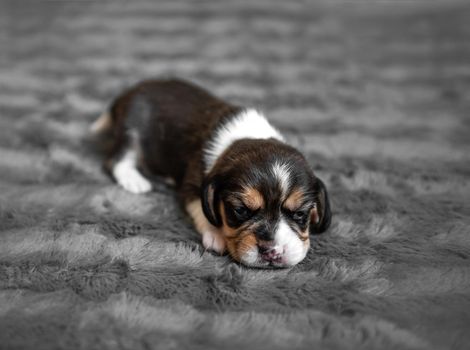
x=134, y=182
x=213, y=241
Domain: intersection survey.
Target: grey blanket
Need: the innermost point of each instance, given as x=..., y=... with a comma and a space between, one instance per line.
x=376, y=94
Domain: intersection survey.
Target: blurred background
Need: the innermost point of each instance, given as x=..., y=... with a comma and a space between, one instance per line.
x=348, y=65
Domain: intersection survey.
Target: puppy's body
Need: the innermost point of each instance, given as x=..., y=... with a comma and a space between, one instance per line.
x=237, y=179
x=171, y=120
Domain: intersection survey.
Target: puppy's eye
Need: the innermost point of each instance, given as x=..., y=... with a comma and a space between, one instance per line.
x=299, y=215
x=242, y=213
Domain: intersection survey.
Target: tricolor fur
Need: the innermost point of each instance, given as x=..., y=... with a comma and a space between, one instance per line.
x=247, y=124
x=247, y=191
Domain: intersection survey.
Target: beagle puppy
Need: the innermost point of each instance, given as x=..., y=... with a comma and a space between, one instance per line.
x=246, y=190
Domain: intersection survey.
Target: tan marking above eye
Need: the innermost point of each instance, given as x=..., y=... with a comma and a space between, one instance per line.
x=294, y=201
x=252, y=198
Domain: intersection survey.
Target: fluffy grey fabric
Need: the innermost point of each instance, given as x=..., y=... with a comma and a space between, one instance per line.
x=375, y=94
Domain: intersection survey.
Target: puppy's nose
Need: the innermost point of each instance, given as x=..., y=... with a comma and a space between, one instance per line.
x=271, y=253
x=264, y=234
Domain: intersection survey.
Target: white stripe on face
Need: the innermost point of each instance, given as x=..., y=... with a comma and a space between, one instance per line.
x=282, y=174
x=247, y=124
x=287, y=240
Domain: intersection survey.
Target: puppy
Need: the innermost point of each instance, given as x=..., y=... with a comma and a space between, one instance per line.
x=246, y=190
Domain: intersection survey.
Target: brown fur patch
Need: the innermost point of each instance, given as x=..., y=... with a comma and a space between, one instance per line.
x=252, y=198
x=238, y=243
x=294, y=201
x=238, y=246
x=304, y=235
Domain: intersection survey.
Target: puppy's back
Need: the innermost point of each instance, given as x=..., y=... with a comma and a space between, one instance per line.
x=172, y=119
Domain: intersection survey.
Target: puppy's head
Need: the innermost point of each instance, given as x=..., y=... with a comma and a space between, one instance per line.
x=267, y=202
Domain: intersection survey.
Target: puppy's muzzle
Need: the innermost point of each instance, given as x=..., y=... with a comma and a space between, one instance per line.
x=271, y=253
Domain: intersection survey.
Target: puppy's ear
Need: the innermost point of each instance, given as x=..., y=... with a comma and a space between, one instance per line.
x=321, y=214
x=210, y=200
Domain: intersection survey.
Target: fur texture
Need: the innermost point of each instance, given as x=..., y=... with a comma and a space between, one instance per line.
x=249, y=124
x=375, y=97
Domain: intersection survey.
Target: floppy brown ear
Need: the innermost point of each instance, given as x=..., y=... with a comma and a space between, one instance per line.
x=210, y=199
x=320, y=218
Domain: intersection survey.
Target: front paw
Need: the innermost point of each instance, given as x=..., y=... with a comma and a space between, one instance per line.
x=214, y=241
